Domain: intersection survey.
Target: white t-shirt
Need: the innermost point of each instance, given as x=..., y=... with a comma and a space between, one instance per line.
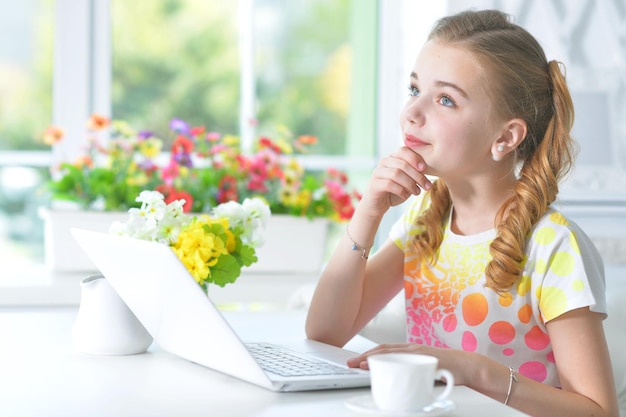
x=448, y=305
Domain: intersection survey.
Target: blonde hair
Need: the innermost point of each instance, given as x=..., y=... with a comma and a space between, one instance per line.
x=522, y=85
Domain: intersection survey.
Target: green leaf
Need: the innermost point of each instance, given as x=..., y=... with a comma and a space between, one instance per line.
x=225, y=271
x=247, y=255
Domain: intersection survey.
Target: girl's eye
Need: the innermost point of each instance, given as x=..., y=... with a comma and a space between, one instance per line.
x=446, y=101
x=414, y=91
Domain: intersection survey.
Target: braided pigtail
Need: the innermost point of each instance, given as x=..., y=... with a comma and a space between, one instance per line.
x=545, y=164
x=431, y=221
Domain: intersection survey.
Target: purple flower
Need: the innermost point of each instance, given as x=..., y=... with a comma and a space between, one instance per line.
x=145, y=134
x=147, y=165
x=183, y=159
x=179, y=126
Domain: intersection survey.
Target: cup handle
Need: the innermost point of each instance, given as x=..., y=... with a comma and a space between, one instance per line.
x=444, y=373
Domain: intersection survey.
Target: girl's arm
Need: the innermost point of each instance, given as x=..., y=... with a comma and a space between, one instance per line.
x=353, y=287
x=582, y=359
x=352, y=290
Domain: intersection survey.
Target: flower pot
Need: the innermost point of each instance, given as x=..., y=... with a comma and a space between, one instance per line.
x=293, y=245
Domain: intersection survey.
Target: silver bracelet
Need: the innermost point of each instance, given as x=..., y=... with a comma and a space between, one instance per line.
x=512, y=378
x=356, y=246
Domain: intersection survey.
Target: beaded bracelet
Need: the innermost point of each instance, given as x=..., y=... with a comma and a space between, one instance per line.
x=356, y=246
x=512, y=378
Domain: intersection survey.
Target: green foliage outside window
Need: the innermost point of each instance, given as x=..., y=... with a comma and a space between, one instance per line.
x=180, y=58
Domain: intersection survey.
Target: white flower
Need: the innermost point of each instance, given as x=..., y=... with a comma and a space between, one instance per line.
x=251, y=215
x=155, y=220
x=149, y=197
x=231, y=210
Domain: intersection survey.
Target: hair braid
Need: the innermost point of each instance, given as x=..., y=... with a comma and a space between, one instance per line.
x=536, y=188
x=431, y=221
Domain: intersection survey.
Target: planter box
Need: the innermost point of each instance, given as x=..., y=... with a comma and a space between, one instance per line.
x=61, y=251
x=294, y=245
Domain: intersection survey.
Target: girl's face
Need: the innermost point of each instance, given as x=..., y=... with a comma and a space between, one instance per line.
x=449, y=118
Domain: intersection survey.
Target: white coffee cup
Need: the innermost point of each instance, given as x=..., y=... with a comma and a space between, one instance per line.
x=404, y=382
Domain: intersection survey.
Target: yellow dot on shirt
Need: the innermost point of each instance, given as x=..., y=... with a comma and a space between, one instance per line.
x=573, y=241
x=578, y=285
x=553, y=302
x=558, y=219
x=544, y=236
x=541, y=266
x=562, y=264
x=523, y=286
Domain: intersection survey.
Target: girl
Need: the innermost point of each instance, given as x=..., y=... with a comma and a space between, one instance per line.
x=501, y=287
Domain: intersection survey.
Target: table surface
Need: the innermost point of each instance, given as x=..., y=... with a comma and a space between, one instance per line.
x=40, y=375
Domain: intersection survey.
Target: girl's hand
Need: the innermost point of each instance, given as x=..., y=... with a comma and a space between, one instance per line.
x=396, y=178
x=458, y=362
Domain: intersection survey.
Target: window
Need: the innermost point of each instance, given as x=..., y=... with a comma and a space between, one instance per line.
x=175, y=59
x=147, y=63
x=25, y=110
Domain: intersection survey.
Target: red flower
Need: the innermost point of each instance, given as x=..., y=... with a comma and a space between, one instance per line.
x=257, y=183
x=265, y=142
x=172, y=194
x=197, y=131
x=227, y=189
x=182, y=144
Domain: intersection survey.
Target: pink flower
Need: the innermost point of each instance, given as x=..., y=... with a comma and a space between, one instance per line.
x=170, y=172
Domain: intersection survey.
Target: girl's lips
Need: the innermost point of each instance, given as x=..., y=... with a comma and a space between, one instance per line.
x=413, y=142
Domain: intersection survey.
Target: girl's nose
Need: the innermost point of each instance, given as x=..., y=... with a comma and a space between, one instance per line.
x=414, y=111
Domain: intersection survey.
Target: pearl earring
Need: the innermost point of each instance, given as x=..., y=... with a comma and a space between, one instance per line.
x=495, y=157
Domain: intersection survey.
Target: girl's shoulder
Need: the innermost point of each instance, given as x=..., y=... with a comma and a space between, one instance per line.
x=556, y=226
x=405, y=227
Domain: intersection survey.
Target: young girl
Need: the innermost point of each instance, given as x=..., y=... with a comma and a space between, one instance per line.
x=501, y=287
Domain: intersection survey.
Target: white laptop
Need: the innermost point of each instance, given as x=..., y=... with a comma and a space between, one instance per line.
x=159, y=290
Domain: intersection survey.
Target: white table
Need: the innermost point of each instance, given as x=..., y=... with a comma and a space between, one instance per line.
x=41, y=376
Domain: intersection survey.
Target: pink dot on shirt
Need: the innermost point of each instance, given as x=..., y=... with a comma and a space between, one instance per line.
x=550, y=357
x=508, y=352
x=449, y=323
x=469, y=342
x=536, y=339
x=534, y=370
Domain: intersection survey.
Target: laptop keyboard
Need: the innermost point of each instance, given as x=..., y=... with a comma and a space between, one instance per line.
x=284, y=362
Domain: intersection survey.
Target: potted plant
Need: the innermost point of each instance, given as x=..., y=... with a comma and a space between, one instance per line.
x=205, y=169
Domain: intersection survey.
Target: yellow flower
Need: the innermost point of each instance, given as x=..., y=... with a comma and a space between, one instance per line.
x=150, y=147
x=288, y=196
x=304, y=198
x=230, y=140
x=140, y=178
x=294, y=167
x=284, y=146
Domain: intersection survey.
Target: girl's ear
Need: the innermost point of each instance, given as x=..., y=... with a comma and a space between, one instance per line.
x=513, y=133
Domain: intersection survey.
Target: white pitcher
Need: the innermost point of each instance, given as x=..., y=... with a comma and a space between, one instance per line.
x=105, y=325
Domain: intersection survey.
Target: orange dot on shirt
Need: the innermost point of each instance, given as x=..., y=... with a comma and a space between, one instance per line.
x=408, y=289
x=505, y=299
x=475, y=309
x=524, y=313
x=501, y=332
